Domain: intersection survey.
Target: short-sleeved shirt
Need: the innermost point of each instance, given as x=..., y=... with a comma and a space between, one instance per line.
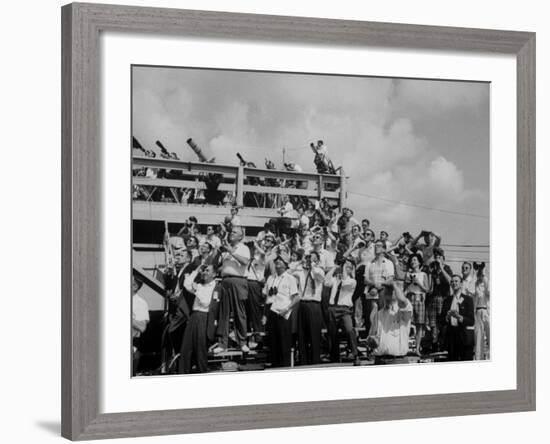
x=140, y=312
x=287, y=288
x=346, y=291
x=232, y=267
x=380, y=273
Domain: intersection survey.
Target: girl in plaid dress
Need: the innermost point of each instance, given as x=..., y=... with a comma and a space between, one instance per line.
x=416, y=287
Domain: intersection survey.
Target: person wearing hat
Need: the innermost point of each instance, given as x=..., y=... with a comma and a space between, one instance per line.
x=235, y=257
x=281, y=292
x=416, y=287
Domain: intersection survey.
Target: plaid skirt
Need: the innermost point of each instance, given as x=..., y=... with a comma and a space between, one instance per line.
x=418, y=301
x=435, y=306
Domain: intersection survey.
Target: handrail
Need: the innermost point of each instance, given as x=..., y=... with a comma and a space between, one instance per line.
x=237, y=176
x=204, y=167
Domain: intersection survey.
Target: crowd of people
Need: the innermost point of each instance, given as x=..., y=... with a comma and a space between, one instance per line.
x=310, y=281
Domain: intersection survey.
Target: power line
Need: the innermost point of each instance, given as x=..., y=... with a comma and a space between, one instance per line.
x=419, y=206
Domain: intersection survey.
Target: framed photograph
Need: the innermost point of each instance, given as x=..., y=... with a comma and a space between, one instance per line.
x=278, y=221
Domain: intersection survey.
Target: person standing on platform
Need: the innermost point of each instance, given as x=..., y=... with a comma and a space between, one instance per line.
x=255, y=275
x=342, y=284
x=282, y=295
x=458, y=311
x=234, y=287
x=194, y=348
x=310, y=317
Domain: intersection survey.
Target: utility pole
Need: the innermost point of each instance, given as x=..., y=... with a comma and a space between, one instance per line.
x=284, y=151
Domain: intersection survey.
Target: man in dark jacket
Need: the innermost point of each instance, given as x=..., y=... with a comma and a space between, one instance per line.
x=458, y=318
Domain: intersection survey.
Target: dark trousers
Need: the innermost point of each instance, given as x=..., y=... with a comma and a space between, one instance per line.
x=255, y=306
x=340, y=316
x=369, y=305
x=459, y=348
x=234, y=291
x=194, y=347
x=280, y=339
x=309, y=332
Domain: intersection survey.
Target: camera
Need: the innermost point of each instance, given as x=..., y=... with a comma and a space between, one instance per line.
x=435, y=267
x=272, y=291
x=479, y=266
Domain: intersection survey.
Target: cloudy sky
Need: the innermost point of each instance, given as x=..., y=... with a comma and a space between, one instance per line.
x=406, y=144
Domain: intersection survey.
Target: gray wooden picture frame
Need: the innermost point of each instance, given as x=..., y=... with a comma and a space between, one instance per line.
x=81, y=171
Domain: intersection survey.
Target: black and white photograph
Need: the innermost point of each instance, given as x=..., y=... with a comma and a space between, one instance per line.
x=293, y=221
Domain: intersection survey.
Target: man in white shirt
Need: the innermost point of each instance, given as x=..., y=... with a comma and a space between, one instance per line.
x=389, y=334
x=234, y=290
x=140, y=319
x=194, y=348
x=379, y=275
x=282, y=295
x=310, y=317
x=340, y=311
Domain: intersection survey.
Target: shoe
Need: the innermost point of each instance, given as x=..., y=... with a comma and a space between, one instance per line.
x=218, y=350
x=245, y=349
x=357, y=362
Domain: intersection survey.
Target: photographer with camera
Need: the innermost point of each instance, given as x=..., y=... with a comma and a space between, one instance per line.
x=282, y=295
x=341, y=281
x=416, y=287
x=440, y=274
x=310, y=277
